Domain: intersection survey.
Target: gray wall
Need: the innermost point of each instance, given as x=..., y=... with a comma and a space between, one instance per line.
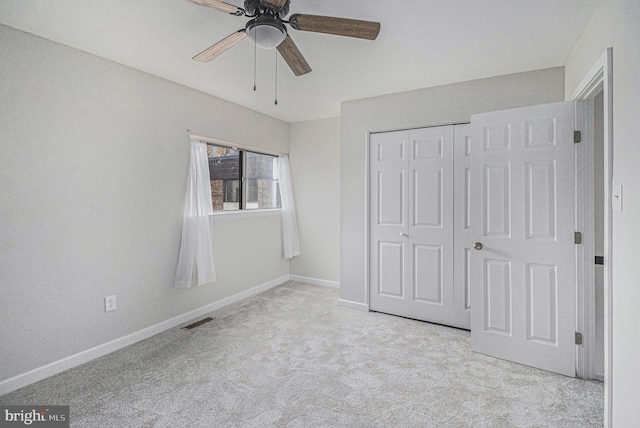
x=314, y=150
x=93, y=167
x=615, y=24
x=432, y=106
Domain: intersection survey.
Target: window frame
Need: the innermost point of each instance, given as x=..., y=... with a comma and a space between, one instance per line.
x=242, y=212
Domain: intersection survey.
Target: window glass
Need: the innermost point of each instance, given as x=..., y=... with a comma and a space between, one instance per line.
x=242, y=180
x=261, y=177
x=225, y=171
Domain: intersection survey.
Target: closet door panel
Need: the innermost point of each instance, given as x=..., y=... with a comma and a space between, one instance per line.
x=462, y=217
x=388, y=222
x=431, y=223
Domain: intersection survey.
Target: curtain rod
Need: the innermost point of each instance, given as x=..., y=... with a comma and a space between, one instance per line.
x=239, y=146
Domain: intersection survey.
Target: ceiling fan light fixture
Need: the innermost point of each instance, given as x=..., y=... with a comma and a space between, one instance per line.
x=266, y=32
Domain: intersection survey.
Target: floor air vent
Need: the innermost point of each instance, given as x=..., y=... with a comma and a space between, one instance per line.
x=197, y=323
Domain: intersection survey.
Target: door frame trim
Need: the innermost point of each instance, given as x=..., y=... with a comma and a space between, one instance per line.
x=600, y=77
x=367, y=226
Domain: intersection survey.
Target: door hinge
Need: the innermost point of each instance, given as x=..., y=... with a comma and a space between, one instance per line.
x=577, y=238
x=578, y=338
x=577, y=137
x=599, y=260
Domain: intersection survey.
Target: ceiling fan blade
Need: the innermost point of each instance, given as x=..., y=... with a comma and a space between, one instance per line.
x=277, y=3
x=293, y=57
x=338, y=26
x=219, y=5
x=220, y=47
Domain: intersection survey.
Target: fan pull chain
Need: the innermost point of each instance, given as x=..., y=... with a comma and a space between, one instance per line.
x=276, y=50
x=255, y=56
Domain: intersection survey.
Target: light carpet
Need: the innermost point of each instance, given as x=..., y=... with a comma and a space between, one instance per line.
x=291, y=358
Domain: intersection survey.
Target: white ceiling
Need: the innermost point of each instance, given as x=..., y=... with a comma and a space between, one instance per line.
x=422, y=43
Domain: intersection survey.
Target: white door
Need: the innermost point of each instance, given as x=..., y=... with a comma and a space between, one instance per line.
x=462, y=218
x=411, y=224
x=522, y=180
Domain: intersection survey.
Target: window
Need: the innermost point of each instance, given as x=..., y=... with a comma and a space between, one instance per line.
x=242, y=179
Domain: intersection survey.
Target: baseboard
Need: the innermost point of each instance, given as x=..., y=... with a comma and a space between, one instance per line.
x=353, y=305
x=315, y=281
x=35, y=375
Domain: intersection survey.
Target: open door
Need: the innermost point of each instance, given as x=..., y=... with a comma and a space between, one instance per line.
x=523, y=259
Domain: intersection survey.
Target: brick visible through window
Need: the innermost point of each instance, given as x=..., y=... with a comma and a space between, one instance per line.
x=242, y=179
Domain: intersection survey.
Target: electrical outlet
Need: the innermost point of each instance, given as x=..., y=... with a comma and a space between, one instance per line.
x=110, y=303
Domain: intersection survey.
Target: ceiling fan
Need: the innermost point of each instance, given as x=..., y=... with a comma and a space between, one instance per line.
x=267, y=29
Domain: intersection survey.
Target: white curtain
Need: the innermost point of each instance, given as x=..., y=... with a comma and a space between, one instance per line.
x=195, y=263
x=289, y=222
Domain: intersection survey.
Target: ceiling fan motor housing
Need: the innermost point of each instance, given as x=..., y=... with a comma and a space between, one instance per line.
x=266, y=32
x=262, y=7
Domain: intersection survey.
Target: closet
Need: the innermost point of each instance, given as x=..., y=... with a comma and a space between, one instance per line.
x=504, y=217
x=419, y=182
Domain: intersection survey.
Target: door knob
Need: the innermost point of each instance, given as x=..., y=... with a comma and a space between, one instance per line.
x=404, y=234
x=477, y=246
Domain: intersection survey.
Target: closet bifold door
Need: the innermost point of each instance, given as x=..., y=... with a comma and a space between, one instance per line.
x=388, y=227
x=462, y=218
x=411, y=224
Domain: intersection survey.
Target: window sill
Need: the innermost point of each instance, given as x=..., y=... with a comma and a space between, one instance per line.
x=241, y=214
